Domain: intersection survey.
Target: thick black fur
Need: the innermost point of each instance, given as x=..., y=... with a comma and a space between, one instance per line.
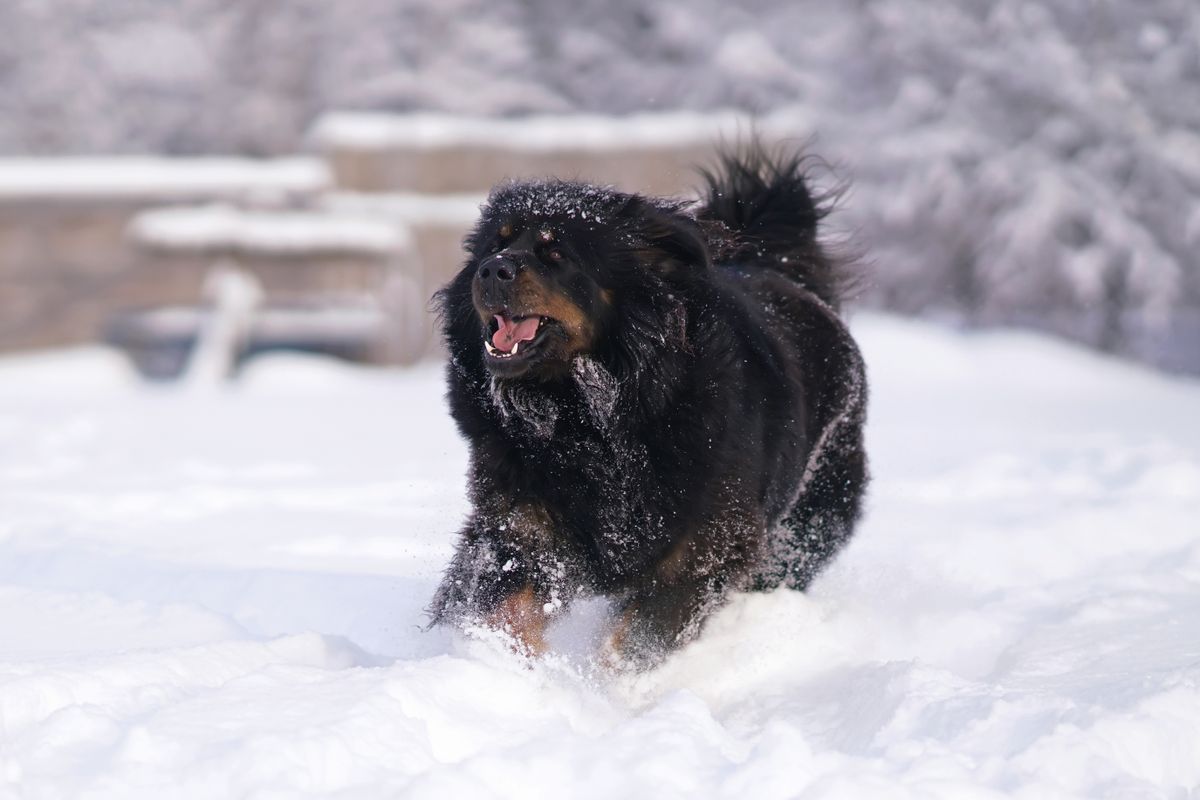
x=705, y=436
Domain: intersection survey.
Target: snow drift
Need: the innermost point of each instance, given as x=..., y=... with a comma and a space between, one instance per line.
x=221, y=593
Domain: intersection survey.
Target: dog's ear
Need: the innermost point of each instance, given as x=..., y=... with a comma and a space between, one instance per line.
x=674, y=241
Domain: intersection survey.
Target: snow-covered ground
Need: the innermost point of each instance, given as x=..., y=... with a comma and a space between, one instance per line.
x=218, y=593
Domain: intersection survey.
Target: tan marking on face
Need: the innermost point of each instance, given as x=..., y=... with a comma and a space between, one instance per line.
x=571, y=317
x=530, y=296
x=607, y=296
x=520, y=615
x=506, y=230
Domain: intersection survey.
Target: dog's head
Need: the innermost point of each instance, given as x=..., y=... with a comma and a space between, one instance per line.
x=561, y=269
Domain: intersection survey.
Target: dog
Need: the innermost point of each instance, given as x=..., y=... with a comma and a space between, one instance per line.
x=662, y=403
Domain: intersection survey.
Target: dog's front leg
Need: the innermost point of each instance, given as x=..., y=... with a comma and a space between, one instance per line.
x=522, y=616
x=504, y=576
x=658, y=619
x=691, y=580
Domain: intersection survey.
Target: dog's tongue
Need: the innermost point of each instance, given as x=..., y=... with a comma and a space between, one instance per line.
x=509, y=332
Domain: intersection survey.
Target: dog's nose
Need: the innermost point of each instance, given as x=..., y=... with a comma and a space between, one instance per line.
x=497, y=268
x=502, y=269
x=494, y=278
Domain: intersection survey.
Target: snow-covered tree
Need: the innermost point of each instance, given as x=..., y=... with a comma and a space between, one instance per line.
x=1034, y=160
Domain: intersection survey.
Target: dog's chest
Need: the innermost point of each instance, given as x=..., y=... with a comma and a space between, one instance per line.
x=602, y=487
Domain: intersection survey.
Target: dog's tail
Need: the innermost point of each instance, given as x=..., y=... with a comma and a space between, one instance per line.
x=762, y=211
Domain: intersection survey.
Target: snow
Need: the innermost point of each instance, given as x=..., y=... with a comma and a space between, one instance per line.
x=145, y=178
x=224, y=227
x=220, y=593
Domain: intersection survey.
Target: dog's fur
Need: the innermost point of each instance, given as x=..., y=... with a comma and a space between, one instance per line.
x=687, y=421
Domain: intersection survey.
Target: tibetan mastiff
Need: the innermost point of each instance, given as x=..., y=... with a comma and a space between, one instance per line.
x=662, y=403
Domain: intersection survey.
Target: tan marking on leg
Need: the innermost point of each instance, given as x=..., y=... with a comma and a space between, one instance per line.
x=520, y=614
x=527, y=524
x=614, y=645
x=532, y=525
x=674, y=563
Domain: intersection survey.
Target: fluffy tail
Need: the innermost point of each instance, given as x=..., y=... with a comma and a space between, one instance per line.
x=767, y=215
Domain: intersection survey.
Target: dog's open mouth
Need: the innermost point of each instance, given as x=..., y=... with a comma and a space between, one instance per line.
x=515, y=337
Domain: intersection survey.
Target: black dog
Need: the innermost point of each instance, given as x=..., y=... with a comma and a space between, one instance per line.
x=663, y=405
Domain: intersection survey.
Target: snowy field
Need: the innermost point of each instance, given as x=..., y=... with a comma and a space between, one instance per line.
x=219, y=594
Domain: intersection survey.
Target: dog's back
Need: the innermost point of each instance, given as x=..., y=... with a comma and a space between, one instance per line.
x=762, y=219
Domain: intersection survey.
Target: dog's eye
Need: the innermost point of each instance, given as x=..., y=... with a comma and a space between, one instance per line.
x=555, y=254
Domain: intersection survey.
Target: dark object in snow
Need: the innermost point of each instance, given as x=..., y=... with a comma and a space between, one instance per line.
x=662, y=403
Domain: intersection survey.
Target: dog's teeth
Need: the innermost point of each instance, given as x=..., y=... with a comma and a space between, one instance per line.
x=514, y=350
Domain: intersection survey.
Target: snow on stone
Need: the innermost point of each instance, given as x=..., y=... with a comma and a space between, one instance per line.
x=224, y=227
x=222, y=593
x=159, y=179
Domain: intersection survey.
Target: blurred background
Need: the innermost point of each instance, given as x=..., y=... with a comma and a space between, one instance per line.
x=197, y=181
